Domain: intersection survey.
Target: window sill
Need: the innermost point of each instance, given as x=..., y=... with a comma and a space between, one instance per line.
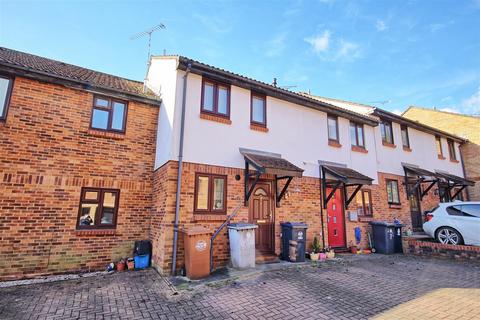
x=395, y=205
x=257, y=127
x=106, y=134
x=388, y=144
x=407, y=149
x=333, y=143
x=441, y=157
x=454, y=161
x=359, y=149
x=365, y=218
x=218, y=119
x=209, y=217
x=95, y=232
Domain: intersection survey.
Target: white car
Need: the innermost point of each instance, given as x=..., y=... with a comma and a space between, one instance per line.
x=454, y=223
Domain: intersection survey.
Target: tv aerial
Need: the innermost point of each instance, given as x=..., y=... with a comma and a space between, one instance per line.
x=148, y=33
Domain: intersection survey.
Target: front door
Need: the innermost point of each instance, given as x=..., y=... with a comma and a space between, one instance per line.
x=336, y=220
x=261, y=213
x=415, y=211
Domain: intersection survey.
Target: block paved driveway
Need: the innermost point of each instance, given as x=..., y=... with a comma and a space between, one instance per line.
x=383, y=287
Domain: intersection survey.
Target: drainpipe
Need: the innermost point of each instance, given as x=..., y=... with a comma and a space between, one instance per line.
x=179, y=174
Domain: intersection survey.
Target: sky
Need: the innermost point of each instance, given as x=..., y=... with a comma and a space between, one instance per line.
x=391, y=54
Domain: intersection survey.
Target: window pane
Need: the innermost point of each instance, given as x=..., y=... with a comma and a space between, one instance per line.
x=3, y=94
x=360, y=136
x=218, y=188
x=258, y=110
x=208, y=90
x=382, y=130
x=101, y=102
x=223, y=100
x=387, y=132
x=118, y=115
x=332, y=129
x=353, y=134
x=439, y=146
x=359, y=200
x=99, y=119
x=454, y=211
x=394, y=192
x=366, y=199
x=389, y=192
x=472, y=209
x=202, y=193
x=88, y=214
x=405, y=141
x=109, y=200
x=91, y=195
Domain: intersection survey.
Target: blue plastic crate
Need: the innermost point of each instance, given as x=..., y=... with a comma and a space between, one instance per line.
x=142, y=262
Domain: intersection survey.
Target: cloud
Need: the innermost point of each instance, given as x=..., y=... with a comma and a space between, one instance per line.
x=434, y=27
x=397, y=112
x=449, y=109
x=214, y=24
x=348, y=50
x=320, y=43
x=472, y=104
x=380, y=25
x=276, y=45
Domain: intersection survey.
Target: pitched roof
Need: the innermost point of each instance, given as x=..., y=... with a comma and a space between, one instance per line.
x=440, y=111
x=28, y=63
x=372, y=110
x=273, y=164
x=266, y=88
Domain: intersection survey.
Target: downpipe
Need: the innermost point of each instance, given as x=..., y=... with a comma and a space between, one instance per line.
x=179, y=174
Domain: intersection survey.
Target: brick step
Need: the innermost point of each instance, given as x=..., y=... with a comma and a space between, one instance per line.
x=266, y=258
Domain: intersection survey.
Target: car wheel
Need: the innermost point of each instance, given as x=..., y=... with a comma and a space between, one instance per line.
x=448, y=235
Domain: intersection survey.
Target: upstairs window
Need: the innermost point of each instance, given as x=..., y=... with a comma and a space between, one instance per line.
x=98, y=208
x=393, y=196
x=258, y=110
x=210, y=193
x=405, y=138
x=387, y=132
x=438, y=143
x=356, y=135
x=332, y=123
x=5, y=92
x=109, y=114
x=215, y=98
x=451, y=150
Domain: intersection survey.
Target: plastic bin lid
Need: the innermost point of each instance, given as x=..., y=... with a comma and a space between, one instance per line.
x=195, y=230
x=289, y=224
x=242, y=226
x=385, y=224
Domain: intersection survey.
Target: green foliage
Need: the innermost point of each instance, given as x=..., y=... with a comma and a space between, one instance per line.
x=316, y=245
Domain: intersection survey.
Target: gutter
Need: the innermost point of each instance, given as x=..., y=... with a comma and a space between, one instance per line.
x=179, y=174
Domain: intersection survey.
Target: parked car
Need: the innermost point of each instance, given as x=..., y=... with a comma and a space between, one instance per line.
x=454, y=223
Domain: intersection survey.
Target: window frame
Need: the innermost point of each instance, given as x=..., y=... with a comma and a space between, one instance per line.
x=100, y=197
x=109, y=109
x=438, y=142
x=335, y=118
x=451, y=149
x=369, y=193
x=357, y=125
x=404, y=128
x=210, y=194
x=384, y=124
x=388, y=181
x=264, y=98
x=215, y=84
x=8, y=95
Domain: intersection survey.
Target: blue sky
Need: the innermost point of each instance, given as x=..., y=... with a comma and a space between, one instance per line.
x=387, y=53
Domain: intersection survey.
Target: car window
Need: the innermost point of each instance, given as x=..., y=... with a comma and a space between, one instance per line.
x=471, y=210
x=455, y=211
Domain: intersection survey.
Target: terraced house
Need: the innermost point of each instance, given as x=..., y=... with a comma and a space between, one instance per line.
x=91, y=162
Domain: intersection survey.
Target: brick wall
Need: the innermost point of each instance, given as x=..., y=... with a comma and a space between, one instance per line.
x=460, y=125
x=431, y=249
x=47, y=153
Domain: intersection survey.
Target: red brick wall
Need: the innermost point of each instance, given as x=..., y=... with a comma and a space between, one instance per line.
x=47, y=153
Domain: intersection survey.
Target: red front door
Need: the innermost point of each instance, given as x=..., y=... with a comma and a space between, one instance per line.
x=336, y=220
x=261, y=213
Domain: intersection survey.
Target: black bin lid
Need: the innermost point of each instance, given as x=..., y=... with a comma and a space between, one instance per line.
x=294, y=225
x=385, y=224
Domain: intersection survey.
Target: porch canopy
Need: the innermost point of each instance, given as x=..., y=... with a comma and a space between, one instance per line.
x=336, y=176
x=268, y=163
x=449, y=182
x=415, y=177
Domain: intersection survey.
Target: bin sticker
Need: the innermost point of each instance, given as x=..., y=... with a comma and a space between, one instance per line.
x=201, y=245
x=300, y=235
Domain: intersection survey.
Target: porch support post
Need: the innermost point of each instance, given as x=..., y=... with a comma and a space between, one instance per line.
x=347, y=202
x=424, y=192
x=457, y=193
x=280, y=195
x=335, y=187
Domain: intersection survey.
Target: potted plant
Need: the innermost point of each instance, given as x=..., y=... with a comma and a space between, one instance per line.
x=323, y=255
x=315, y=249
x=353, y=248
x=121, y=265
x=130, y=264
x=330, y=253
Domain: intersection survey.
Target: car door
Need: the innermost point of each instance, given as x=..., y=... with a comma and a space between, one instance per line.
x=470, y=223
